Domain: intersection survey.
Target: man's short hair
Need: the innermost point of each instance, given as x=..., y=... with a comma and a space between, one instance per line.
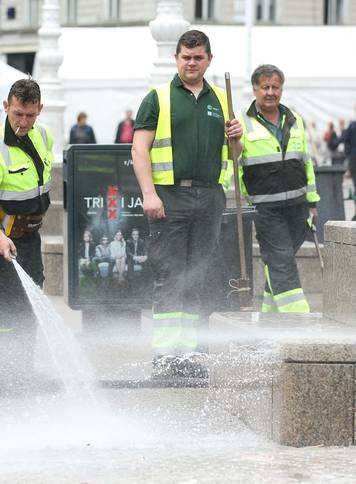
x=265, y=70
x=192, y=39
x=26, y=91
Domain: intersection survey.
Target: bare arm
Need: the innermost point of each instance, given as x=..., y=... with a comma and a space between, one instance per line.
x=142, y=142
x=6, y=247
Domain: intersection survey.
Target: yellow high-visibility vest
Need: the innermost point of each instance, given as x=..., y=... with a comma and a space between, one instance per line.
x=161, y=153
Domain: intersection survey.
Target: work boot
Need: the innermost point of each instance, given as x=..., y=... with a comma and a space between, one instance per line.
x=192, y=366
x=164, y=367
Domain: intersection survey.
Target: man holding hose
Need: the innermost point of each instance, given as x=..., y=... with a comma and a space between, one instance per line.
x=25, y=177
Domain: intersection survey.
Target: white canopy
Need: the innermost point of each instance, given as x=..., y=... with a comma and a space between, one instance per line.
x=8, y=75
x=107, y=70
x=129, y=52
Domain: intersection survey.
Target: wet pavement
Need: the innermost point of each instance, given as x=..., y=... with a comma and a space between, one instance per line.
x=186, y=436
x=145, y=435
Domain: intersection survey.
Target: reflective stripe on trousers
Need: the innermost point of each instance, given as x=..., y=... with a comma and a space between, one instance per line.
x=288, y=302
x=180, y=249
x=174, y=333
x=280, y=233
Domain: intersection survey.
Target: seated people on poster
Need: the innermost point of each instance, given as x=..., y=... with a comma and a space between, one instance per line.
x=136, y=253
x=86, y=254
x=118, y=255
x=103, y=258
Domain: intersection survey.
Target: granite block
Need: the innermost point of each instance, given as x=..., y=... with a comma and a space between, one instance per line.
x=52, y=256
x=57, y=182
x=53, y=220
x=342, y=232
x=339, y=285
x=313, y=404
x=293, y=374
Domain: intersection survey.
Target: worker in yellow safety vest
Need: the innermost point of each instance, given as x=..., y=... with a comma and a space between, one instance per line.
x=181, y=162
x=277, y=175
x=25, y=177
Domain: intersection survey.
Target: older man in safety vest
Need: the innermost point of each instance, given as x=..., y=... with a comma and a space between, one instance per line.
x=278, y=177
x=25, y=177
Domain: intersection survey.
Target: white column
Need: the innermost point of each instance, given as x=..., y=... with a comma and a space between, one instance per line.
x=249, y=22
x=166, y=29
x=48, y=61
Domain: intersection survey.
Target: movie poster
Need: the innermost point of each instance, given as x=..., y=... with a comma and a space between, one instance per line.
x=111, y=231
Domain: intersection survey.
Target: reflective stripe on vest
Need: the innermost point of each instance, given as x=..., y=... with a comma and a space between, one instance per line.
x=44, y=135
x=161, y=153
x=4, y=151
x=277, y=197
x=26, y=195
x=274, y=157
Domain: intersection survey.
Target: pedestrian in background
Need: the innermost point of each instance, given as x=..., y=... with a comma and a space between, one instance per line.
x=81, y=133
x=348, y=137
x=180, y=159
x=125, y=130
x=331, y=140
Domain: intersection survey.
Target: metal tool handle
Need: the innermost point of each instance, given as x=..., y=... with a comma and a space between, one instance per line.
x=233, y=145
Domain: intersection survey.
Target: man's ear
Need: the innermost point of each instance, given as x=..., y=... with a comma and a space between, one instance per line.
x=6, y=106
x=40, y=108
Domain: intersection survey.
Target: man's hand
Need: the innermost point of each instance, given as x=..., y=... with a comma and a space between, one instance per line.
x=233, y=129
x=313, y=214
x=153, y=206
x=7, y=247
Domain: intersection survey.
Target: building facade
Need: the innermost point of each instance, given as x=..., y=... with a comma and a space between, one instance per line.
x=20, y=19
x=101, y=41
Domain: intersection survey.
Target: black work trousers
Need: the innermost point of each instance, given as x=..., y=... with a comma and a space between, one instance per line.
x=17, y=319
x=280, y=233
x=181, y=247
x=16, y=310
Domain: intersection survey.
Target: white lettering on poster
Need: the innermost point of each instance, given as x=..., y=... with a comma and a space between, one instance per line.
x=98, y=202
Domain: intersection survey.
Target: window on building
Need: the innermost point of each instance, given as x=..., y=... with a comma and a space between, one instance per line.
x=72, y=11
x=334, y=12
x=112, y=9
x=23, y=61
x=265, y=11
x=204, y=9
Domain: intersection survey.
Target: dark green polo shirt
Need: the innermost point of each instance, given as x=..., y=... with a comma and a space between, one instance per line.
x=197, y=130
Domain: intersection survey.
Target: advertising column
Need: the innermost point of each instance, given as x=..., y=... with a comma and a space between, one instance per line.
x=106, y=229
